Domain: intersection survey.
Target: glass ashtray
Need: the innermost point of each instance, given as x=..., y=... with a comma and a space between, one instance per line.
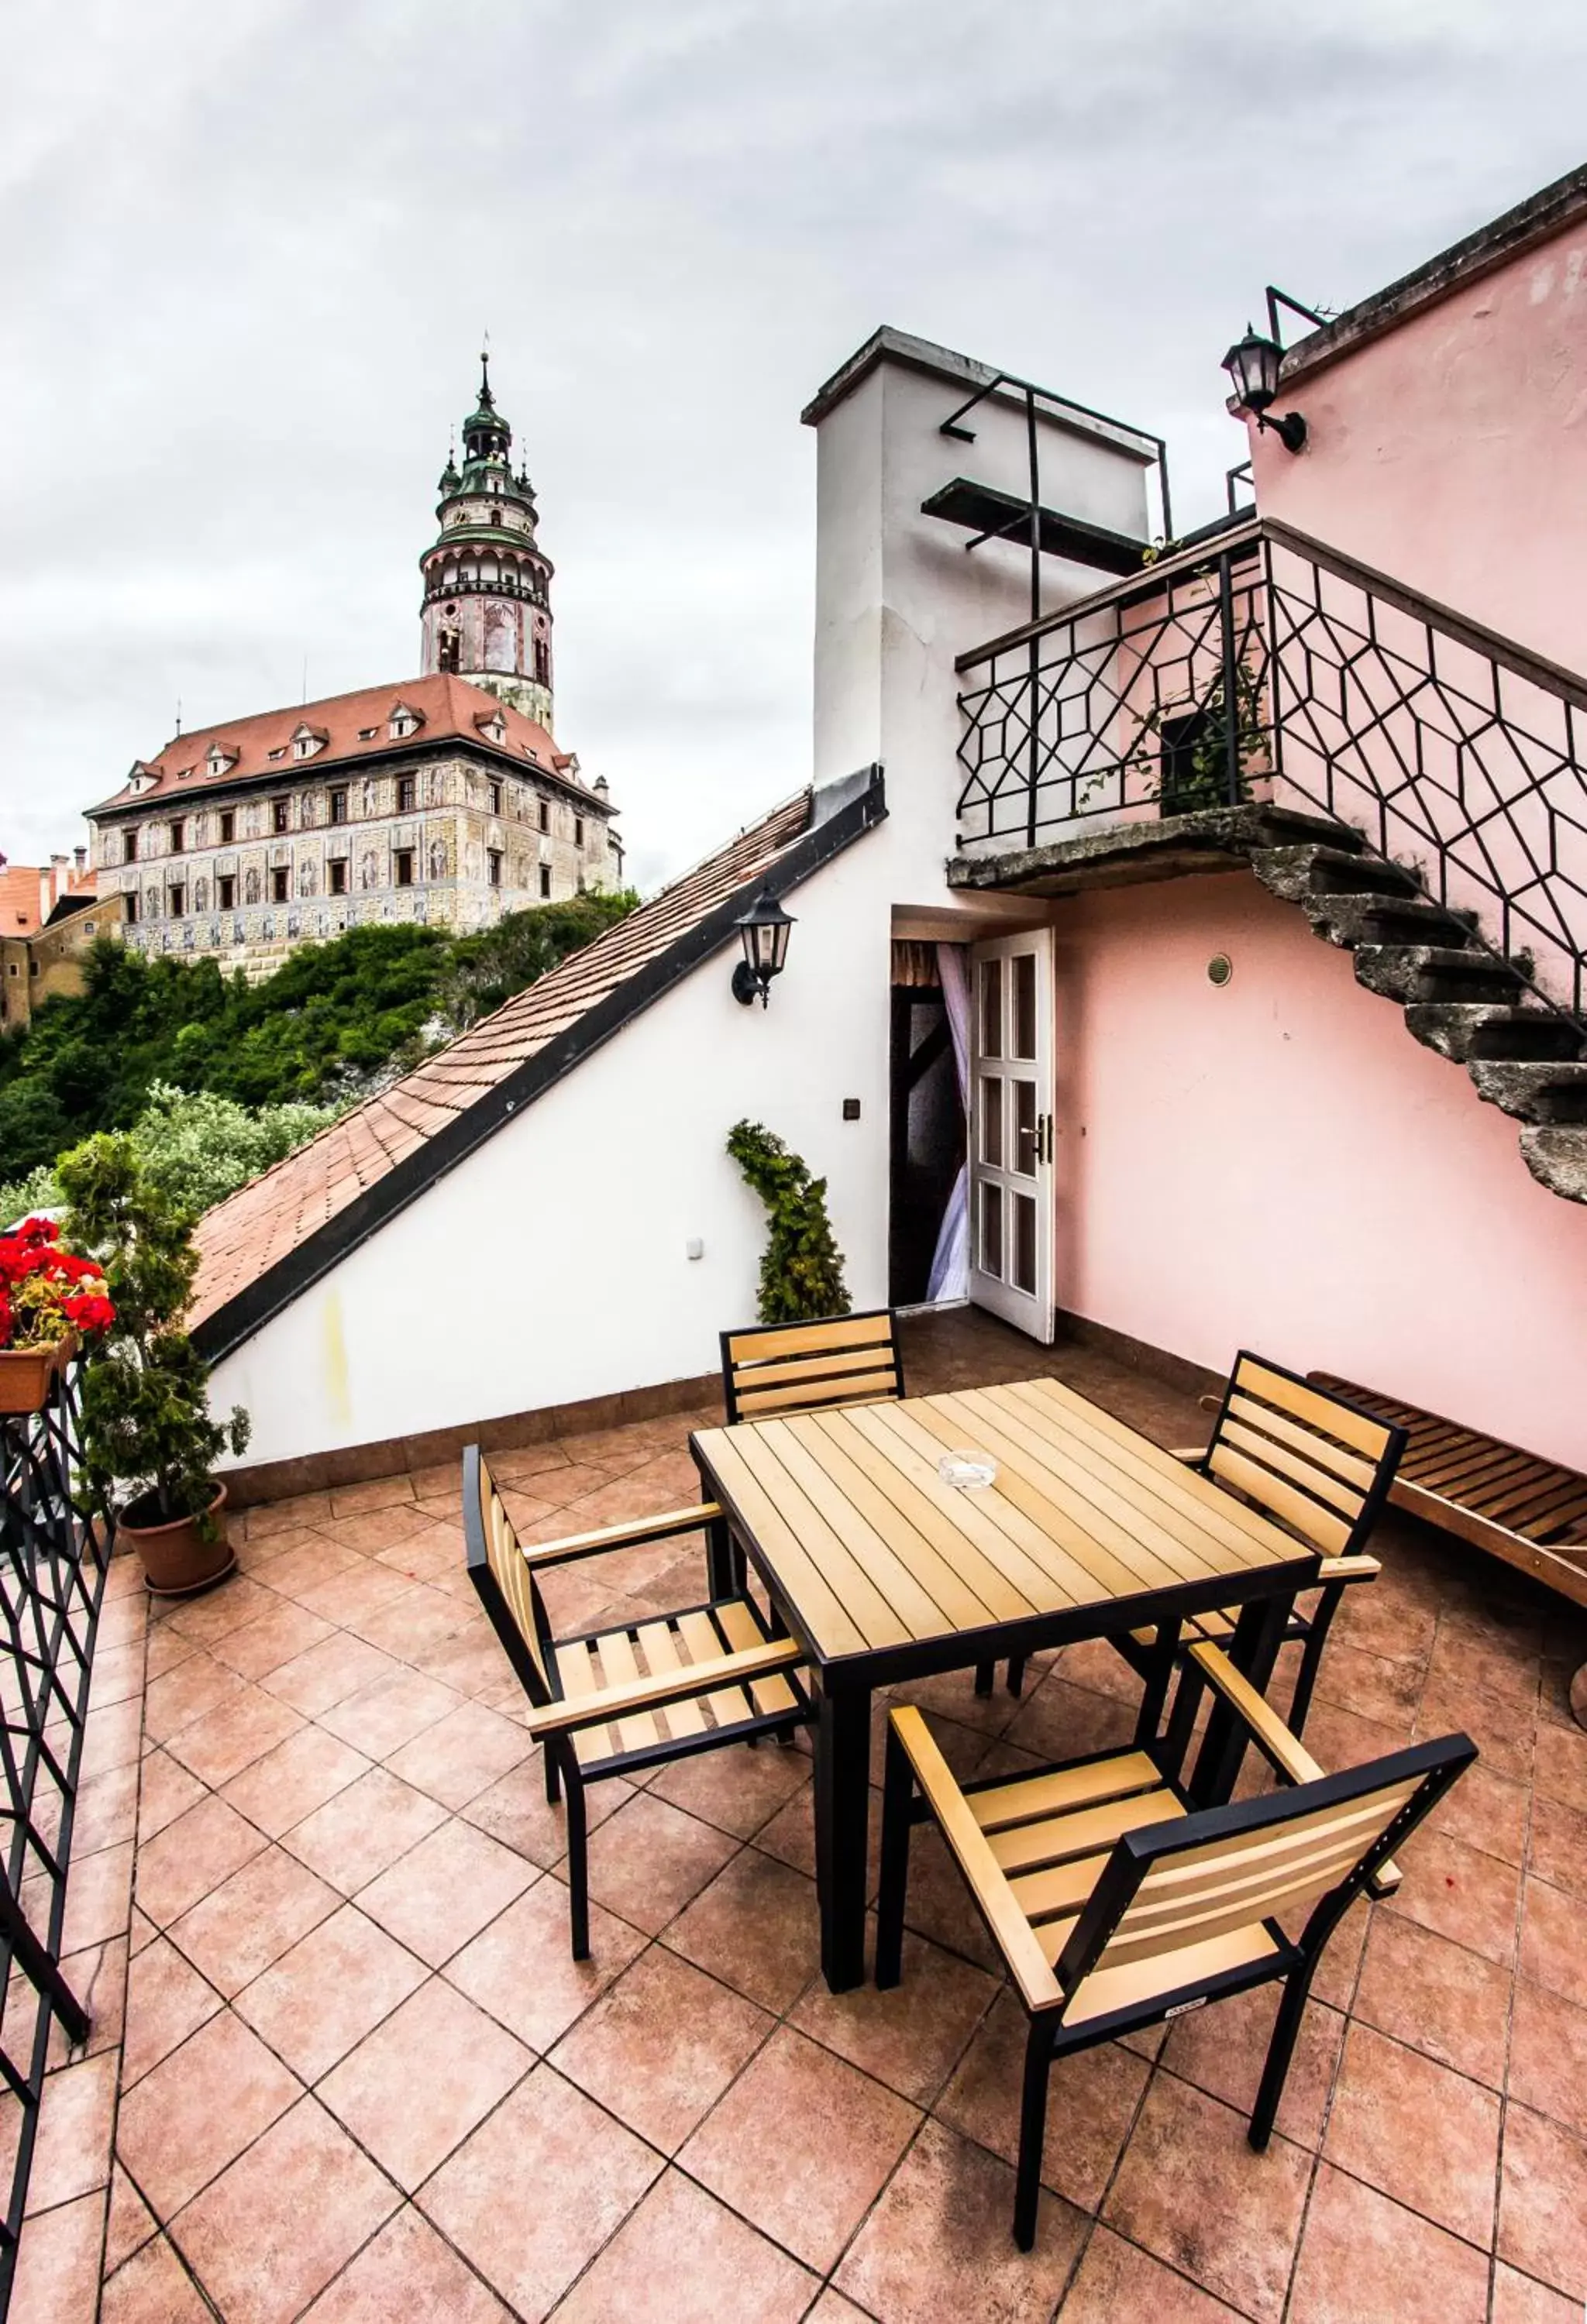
x=967, y=1472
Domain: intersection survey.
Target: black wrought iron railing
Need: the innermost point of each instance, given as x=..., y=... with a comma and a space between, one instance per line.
x=1258, y=665
x=52, y=1567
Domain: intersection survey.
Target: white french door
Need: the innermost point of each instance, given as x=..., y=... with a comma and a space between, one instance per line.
x=1011, y=1130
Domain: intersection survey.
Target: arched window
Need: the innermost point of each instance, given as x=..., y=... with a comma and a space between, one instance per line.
x=542, y=662
x=450, y=657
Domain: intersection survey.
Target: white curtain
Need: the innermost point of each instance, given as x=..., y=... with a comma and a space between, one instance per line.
x=950, y=1262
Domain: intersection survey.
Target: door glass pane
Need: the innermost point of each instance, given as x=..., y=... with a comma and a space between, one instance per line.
x=1024, y=1159
x=992, y=1231
x=1024, y=1226
x=1023, y=996
x=991, y=1009
x=992, y=1121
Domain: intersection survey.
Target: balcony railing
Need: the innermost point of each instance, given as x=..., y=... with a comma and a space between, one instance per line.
x=1260, y=664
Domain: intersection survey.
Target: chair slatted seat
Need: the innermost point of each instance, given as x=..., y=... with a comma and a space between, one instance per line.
x=1117, y=1903
x=611, y=1703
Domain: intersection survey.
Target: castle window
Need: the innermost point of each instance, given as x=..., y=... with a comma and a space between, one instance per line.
x=542, y=662
x=228, y=826
x=367, y=733
x=279, y=810
x=449, y=659
x=338, y=805
x=178, y=837
x=179, y=899
x=337, y=872
x=226, y=892
x=578, y=831
x=281, y=882
x=282, y=752
x=403, y=864
x=493, y=866
x=545, y=815
x=402, y=724
x=407, y=790
x=129, y=844
x=304, y=746
x=545, y=879
x=495, y=799
x=132, y=905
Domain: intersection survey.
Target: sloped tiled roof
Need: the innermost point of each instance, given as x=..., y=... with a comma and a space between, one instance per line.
x=452, y=710
x=295, y=1221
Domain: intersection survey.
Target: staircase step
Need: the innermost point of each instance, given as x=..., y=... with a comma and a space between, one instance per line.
x=1290, y=827
x=1298, y=873
x=1543, y=1092
x=1407, y=972
x=1367, y=920
x=1465, y=1029
x=1557, y=1160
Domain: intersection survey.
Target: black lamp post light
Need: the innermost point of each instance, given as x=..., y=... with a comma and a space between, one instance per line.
x=1252, y=363
x=763, y=933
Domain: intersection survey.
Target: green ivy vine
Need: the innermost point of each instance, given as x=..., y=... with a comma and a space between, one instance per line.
x=801, y=1270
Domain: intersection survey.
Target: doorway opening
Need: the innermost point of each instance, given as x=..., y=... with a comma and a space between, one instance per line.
x=928, y=1126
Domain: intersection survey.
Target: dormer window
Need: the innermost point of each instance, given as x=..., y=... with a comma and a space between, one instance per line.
x=280, y=752
x=216, y=762
x=402, y=722
x=307, y=741
x=367, y=733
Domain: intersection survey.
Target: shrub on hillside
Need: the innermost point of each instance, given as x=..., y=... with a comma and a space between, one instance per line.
x=192, y=1147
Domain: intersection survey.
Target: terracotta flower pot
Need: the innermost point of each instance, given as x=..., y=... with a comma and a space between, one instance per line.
x=177, y=1560
x=26, y=1373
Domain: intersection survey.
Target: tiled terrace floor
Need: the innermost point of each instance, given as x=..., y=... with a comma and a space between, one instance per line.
x=360, y=2078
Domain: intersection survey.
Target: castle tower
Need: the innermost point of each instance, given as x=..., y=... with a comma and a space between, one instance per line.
x=487, y=609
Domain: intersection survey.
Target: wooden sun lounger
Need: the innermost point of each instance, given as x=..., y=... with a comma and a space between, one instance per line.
x=1530, y=1512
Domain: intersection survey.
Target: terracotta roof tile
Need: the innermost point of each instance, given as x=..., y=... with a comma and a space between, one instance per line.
x=244, y=1237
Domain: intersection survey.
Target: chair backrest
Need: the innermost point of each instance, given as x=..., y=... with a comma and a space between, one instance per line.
x=1321, y=1466
x=773, y=1369
x=507, y=1589
x=1309, y=1850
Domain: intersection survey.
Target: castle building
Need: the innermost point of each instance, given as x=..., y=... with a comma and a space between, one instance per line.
x=442, y=799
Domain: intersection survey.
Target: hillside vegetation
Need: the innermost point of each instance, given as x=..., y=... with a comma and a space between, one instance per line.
x=335, y=1021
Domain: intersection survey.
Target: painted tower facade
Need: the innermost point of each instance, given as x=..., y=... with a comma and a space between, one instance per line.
x=487, y=583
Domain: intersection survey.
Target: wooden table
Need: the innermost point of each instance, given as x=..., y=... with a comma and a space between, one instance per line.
x=883, y=1572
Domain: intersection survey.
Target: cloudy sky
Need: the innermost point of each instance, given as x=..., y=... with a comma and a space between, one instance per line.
x=251, y=250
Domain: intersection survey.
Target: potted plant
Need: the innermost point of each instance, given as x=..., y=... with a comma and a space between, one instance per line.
x=149, y=1444
x=48, y=1296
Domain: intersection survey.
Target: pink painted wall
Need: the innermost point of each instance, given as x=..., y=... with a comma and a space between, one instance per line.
x=1277, y=1164
x=1451, y=452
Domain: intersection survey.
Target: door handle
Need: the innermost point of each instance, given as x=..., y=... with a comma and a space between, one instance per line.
x=1043, y=1137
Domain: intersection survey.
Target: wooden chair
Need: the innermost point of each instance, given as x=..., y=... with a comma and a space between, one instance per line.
x=610, y=1702
x=1116, y=1904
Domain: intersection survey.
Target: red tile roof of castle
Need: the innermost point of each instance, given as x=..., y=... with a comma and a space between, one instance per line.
x=23, y=887
x=355, y=726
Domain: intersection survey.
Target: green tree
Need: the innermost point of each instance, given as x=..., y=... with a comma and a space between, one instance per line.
x=801, y=1270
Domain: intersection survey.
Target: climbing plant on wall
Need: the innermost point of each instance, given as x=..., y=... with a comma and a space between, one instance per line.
x=801, y=1270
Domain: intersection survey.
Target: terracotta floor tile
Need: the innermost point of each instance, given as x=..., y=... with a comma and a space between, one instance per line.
x=1521, y=2300
x=315, y=1681
x=98, y=1898
x=1549, y=2055
x=1486, y=1812
x=131, y=2222
x=1223, y=2048
x=165, y=1791
x=199, y=1684
x=1559, y=1847
x=71, y=2151
x=167, y=2000
x=218, y=1613
x=1543, y=2201
x=515, y=1811
x=912, y=2037
x=1417, y=2132
x=790, y=1836
x=938, y=2246
x=163, y=1650
x=117, y=1674
x=154, y=2288
x=1436, y=1997
x=199, y=2110
x=470, y=1662
x=756, y=1927
x=938, y=1902
x=252, y=1919
x=274, y=2229
x=288, y=1514
x=349, y=1599
x=407, y=2275
x=106, y=1812
x=466, y=2062
x=329, y=1991
x=738, y=1791
x=377, y=1493
x=661, y=2046
x=831, y=2308
x=1485, y=1653
x=769, y=2151
x=683, y=2255
x=308, y=1568
x=1340, y=1967
x=375, y=1530
x=380, y=1718
x=546, y=2134
x=1459, y=1893
x=522, y=1968
x=1060, y=1721
x=1562, y=1765
x=56, y=2278
x=1092, y=2099
x=443, y=1891
x=1191, y=2191
x=1362, y=2257
x=226, y=1741
x=1118, y=2283
x=1502, y=1730
x=1553, y=1940
x=281, y=1631
x=112, y=1738
x=462, y=1755
x=294, y=1779
x=362, y=1830
x=1372, y=1684
x=649, y=1859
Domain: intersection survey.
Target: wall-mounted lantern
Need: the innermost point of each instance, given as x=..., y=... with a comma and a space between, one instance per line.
x=763, y=932
x=1252, y=363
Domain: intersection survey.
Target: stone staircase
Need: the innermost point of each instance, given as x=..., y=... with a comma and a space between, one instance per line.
x=1460, y=998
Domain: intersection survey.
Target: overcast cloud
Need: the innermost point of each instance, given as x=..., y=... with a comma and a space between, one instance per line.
x=251, y=250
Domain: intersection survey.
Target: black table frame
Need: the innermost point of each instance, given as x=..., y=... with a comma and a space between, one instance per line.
x=841, y=1687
